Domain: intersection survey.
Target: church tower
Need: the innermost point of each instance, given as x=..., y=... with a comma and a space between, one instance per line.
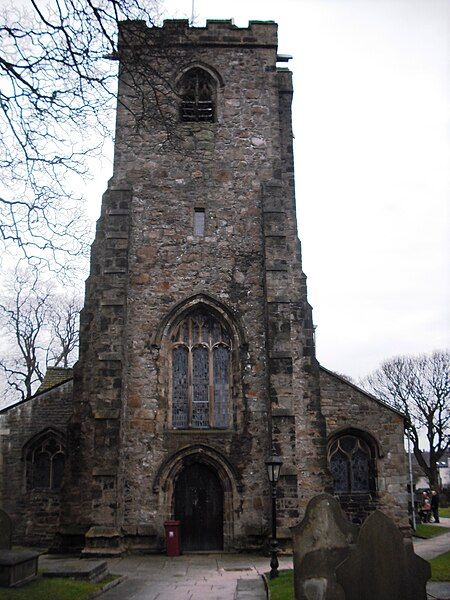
x=197, y=350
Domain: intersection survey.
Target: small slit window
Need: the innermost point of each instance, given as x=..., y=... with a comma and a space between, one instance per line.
x=197, y=93
x=199, y=221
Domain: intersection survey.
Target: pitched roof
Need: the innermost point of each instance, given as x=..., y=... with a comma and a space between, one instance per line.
x=53, y=377
x=358, y=389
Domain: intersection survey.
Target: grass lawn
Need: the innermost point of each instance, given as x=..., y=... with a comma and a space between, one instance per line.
x=46, y=588
x=428, y=531
x=282, y=588
x=444, y=512
x=440, y=567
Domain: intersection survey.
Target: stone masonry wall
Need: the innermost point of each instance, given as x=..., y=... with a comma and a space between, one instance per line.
x=346, y=406
x=35, y=514
x=90, y=488
x=220, y=169
x=148, y=269
x=298, y=428
x=247, y=266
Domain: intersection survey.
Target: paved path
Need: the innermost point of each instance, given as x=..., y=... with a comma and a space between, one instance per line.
x=191, y=577
x=443, y=522
x=430, y=548
x=216, y=576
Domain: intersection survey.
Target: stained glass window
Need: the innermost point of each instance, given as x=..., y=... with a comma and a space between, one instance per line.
x=41, y=470
x=45, y=459
x=180, y=405
x=200, y=384
x=339, y=467
x=58, y=470
x=351, y=465
x=201, y=360
x=360, y=471
x=221, y=361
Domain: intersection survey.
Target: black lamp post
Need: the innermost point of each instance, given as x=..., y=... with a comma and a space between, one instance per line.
x=273, y=465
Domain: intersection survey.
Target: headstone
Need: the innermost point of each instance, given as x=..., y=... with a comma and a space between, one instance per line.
x=382, y=565
x=5, y=531
x=321, y=542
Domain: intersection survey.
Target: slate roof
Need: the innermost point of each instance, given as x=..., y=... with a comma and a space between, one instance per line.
x=53, y=377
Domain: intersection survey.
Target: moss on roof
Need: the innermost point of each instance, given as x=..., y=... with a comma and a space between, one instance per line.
x=53, y=377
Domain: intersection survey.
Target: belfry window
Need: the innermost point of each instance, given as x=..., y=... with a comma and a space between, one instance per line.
x=201, y=370
x=197, y=93
x=45, y=460
x=352, y=465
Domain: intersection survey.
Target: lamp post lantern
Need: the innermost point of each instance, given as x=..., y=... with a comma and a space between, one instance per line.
x=273, y=465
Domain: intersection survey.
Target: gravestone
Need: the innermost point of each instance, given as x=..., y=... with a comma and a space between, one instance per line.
x=5, y=531
x=382, y=565
x=16, y=566
x=321, y=541
x=83, y=569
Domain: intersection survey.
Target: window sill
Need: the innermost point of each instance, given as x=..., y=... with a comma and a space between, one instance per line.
x=199, y=431
x=349, y=496
x=45, y=491
x=198, y=124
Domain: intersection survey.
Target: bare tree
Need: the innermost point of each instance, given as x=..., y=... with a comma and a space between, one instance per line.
x=23, y=318
x=419, y=386
x=57, y=101
x=39, y=328
x=64, y=330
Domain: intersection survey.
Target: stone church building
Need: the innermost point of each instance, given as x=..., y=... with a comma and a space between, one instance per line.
x=197, y=352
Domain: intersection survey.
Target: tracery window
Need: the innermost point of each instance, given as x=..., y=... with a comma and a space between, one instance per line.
x=201, y=370
x=197, y=92
x=45, y=460
x=351, y=463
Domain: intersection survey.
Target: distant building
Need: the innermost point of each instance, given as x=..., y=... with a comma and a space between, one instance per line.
x=197, y=352
x=421, y=481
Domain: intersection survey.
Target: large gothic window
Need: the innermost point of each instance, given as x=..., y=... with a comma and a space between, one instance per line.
x=197, y=93
x=45, y=460
x=201, y=357
x=351, y=463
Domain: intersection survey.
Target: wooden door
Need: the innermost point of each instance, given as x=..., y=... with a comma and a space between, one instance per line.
x=199, y=507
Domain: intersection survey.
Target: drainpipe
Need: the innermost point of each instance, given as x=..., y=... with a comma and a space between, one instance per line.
x=411, y=488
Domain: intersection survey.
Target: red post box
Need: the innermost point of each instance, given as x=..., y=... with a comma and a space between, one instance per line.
x=173, y=537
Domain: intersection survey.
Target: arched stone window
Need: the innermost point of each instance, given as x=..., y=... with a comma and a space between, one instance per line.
x=352, y=464
x=201, y=372
x=197, y=89
x=45, y=460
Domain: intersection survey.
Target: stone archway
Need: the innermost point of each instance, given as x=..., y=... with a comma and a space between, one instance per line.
x=220, y=471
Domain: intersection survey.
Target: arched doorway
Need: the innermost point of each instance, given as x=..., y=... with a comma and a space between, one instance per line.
x=198, y=504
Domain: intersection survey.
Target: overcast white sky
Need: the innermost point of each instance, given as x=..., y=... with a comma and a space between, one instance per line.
x=371, y=122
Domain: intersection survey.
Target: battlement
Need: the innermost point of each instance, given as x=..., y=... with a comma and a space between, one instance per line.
x=215, y=33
